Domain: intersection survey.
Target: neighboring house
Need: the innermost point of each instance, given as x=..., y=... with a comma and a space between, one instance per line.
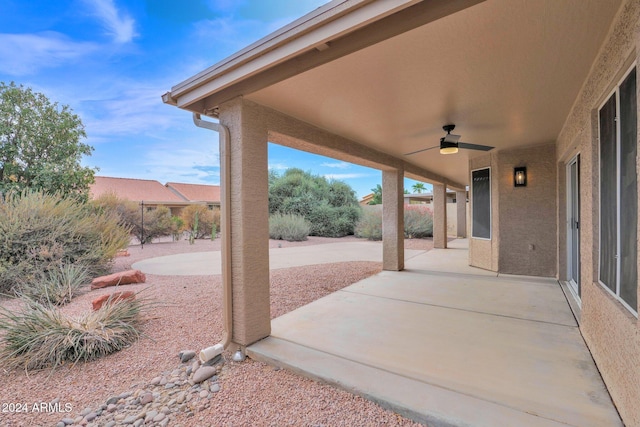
x=427, y=198
x=552, y=85
x=366, y=199
x=197, y=193
x=153, y=194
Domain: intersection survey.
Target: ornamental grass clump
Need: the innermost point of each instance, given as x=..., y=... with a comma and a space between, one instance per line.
x=57, y=286
x=41, y=336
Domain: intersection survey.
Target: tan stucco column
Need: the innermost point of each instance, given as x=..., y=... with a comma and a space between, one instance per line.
x=393, y=220
x=249, y=221
x=461, y=214
x=439, y=216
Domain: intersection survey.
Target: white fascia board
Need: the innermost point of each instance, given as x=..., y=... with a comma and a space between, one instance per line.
x=313, y=30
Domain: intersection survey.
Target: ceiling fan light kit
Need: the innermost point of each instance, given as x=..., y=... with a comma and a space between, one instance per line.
x=449, y=143
x=448, y=147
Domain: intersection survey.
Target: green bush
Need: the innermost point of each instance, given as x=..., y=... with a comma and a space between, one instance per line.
x=57, y=286
x=370, y=224
x=41, y=336
x=293, y=228
x=41, y=232
x=330, y=207
x=418, y=222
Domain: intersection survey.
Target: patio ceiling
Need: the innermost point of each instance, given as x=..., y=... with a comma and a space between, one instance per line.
x=505, y=72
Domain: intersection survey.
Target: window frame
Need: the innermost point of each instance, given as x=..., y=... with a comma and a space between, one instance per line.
x=490, y=206
x=615, y=91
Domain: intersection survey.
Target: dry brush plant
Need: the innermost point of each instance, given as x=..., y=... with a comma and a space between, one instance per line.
x=39, y=232
x=41, y=336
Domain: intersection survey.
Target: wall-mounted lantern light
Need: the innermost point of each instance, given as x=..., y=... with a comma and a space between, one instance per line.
x=520, y=177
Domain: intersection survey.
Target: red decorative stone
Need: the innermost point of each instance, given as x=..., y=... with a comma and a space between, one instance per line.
x=115, y=297
x=121, y=278
x=122, y=253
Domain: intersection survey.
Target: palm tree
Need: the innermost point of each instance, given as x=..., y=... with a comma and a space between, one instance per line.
x=418, y=187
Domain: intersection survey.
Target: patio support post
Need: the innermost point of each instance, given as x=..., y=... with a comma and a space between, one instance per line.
x=461, y=214
x=249, y=221
x=393, y=220
x=439, y=216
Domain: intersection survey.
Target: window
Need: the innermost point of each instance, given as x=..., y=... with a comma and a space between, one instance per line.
x=617, y=119
x=481, y=203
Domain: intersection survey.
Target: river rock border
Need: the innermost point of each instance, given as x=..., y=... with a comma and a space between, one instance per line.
x=187, y=389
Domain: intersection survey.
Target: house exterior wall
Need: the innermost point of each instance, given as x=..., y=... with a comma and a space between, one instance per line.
x=527, y=243
x=610, y=330
x=523, y=220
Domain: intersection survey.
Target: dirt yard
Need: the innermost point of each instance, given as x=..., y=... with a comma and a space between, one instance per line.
x=251, y=394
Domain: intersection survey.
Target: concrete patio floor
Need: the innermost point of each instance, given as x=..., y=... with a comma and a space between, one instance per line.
x=449, y=345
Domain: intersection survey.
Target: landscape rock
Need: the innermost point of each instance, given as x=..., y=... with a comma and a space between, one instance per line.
x=186, y=355
x=204, y=373
x=146, y=398
x=153, y=403
x=115, y=297
x=120, y=278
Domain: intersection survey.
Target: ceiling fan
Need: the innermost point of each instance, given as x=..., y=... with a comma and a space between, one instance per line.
x=449, y=143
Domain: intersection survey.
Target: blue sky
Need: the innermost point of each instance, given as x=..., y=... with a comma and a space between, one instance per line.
x=111, y=60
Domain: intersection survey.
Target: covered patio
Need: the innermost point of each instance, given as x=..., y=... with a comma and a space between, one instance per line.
x=448, y=344
x=377, y=83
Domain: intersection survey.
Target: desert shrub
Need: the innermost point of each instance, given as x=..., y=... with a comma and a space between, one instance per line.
x=418, y=221
x=157, y=221
x=176, y=228
x=206, y=219
x=370, y=224
x=40, y=232
x=56, y=286
x=41, y=336
x=293, y=228
x=330, y=207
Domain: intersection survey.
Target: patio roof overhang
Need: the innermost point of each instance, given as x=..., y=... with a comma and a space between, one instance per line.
x=388, y=74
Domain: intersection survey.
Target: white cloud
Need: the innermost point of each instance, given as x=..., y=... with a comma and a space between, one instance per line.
x=345, y=175
x=117, y=24
x=278, y=166
x=25, y=54
x=337, y=165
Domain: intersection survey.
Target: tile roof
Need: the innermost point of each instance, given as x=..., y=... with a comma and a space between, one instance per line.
x=134, y=189
x=196, y=192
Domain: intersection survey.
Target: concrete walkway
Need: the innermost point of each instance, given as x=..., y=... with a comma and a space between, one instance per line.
x=208, y=263
x=449, y=345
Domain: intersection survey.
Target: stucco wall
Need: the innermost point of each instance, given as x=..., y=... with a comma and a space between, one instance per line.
x=528, y=214
x=610, y=330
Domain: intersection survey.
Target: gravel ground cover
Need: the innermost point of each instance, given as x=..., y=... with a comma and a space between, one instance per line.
x=251, y=393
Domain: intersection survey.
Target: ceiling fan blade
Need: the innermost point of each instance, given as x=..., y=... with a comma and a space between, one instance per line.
x=420, y=151
x=474, y=146
x=451, y=138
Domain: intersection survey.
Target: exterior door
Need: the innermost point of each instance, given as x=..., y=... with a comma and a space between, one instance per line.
x=573, y=225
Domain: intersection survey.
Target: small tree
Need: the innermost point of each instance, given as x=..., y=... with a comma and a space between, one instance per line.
x=40, y=145
x=377, y=195
x=418, y=187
